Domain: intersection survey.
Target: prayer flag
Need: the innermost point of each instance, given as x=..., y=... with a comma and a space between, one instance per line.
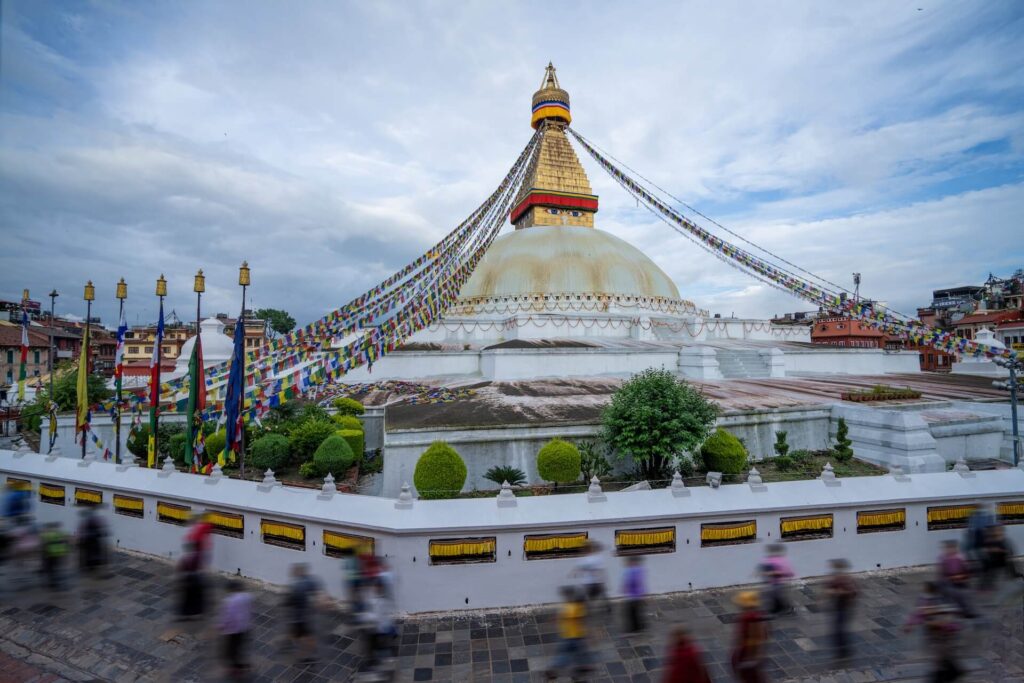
x=82, y=397
x=233, y=400
x=154, y=388
x=196, y=402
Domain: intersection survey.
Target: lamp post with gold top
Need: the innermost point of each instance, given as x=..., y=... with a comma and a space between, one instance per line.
x=121, y=293
x=244, y=281
x=90, y=295
x=154, y=389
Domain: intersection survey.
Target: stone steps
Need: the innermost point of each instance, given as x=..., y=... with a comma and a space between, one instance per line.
x=741, y=364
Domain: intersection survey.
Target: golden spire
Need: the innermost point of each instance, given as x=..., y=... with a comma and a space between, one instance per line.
x=556, y=190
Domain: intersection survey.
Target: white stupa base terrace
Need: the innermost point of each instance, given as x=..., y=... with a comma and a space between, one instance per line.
x=402, y=532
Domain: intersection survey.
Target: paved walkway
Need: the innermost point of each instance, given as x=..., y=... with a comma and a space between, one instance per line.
x=121, y=629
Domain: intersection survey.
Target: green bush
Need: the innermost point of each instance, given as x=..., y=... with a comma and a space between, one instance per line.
x=440, y=472
x=348, y=421
x=685, y=466
x=593, y=462
x=843, y=450
x=801, y=456
x=308, y=470
x=781, y=447
x=138, y=441
x=176, y=446
x=499, y=474
x=723, y=452
x=785, y=463
x=348, y=406
x=214, y=445
x=355, y=438
x=558, y=461
x=333, y=456
x=270, y=451
x=307, y=437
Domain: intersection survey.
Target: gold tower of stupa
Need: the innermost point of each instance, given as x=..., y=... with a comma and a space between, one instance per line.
x=556, y=190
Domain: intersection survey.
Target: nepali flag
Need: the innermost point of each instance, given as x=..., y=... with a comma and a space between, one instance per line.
x=23, y=369
x=154, y=388
x=233, y=400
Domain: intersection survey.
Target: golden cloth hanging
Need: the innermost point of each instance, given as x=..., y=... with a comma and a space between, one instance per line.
x=730, y=531
x=51, y=491
x=179, y=513
x=19, y=484
x=466, y=547
x=225, y=520
x=88, y=496
x=554, y=542
x=810, y=523
x=881, y=518
x=362, y=545
x=636, y=538
x=128, y=503
x=950, y=513
x=283, y=530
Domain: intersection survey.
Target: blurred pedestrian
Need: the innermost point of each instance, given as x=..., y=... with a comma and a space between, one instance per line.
x=54, y=545
x=977, y=529
x=954, y=578
x=938, y=616
x=191, y=584
x=751, y=638
x=777, y=572
x=25, y=547
x=92, y=539
x=572, y=629
x=17, y=502
x=378, y=622
x=842, y=593
x=590, y=572
x=200, y=536
x=997, y=557
x=350, y=580
x=303, y=595
x=235, y=622
x=685, y=659
x=634, y=587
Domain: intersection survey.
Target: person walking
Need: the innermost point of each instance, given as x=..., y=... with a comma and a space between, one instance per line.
x=572, y=629
x=777, y=573
x=997, y=557
x=235, y=623
x=954, y=578
x=842, y=592
x=191, y=584
x=54, y=544
x=685, y=659
x=590, y=572
x=751, y=637
x=939, y=617
x=303, y=594
x=200, y=536
x=92, y=535
x=634, y=587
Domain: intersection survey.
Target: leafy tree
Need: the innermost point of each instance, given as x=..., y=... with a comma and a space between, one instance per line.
x=440, y=472
x=653, y=418
x=499, y=474
x=307, y=437
x=593, y=461
x=723, y=452
x=843, y=449
x=65, y=389
x=276, y=321
x=558, y=461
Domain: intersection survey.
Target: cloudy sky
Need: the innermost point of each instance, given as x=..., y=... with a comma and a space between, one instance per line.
x=327, y=143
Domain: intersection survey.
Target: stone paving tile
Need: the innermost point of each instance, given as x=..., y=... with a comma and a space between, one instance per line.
x=121, y=629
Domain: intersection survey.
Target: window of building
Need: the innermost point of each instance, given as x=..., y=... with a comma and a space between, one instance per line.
x=10, y=355
x=1009, y=513
x=949, y=516
x=881, y=520
x=645, y=541
x=88, y=497
x=544, y=546
x=283, y=534
x=226, y=523
x=52, y=494
x=133, y=349
x=806, y=528
x=463, y=550
x=130, y=506
x=172, y=513
x=148, y=349
x=729, y=533
x=336, y=544
x=35, y=357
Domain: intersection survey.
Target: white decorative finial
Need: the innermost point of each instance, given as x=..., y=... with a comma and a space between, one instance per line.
x=505, y=497
x=89, y=459
x=714, y=479
x=897, y=473
x=168, y=469
x=678, y=486
x=829, y=476
x=962, y=469
x=216, y=474
x=269, y=482
x=755, y=481
x=329, y=488
x=127, y=461
x=595, y=494
x=404, y=501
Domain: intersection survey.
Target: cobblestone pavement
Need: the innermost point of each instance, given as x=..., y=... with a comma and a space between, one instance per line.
x=121, y=629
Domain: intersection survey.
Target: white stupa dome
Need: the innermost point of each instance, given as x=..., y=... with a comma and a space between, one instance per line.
x=217, y=346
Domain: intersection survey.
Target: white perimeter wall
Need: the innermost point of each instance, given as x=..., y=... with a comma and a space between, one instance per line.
x=402, y=535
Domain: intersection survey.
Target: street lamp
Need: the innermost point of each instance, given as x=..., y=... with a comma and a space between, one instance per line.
x=121, y=293
x=1014, y=366
x=89, y=296
x=53, y=363
x=244, y=281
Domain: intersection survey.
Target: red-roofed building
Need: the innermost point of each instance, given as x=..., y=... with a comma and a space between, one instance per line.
x=847, y=332
x=1011, y=333
x=970, y=325
x=10, y=354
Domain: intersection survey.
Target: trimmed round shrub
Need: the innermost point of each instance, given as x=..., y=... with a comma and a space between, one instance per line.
x=138, y=441
x=215, y=445
x=440, y=472
x=270, y=451
x=333, y=456
x=354, y=438
x=348, y=422
x=348, y=406
x=558, y=461
x=307, y=437
x=176, y=447
x=723, y=452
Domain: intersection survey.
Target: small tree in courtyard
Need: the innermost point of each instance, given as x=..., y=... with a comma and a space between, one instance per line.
x=440, y=472
x=781, y=447
x=843, y=449
x=558, y=461
x=653, y=418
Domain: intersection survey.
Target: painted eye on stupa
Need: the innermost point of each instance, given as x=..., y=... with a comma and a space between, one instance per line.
x=553, y=212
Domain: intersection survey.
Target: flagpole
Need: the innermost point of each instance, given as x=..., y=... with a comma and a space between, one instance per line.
x=53, y=368
x=90, y=294
x=122, y=294
x=243, y=279
x=23, y=351
x=198, y=286
x=154, y=416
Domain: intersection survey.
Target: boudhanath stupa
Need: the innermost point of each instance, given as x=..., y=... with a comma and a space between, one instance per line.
x=559, y=297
